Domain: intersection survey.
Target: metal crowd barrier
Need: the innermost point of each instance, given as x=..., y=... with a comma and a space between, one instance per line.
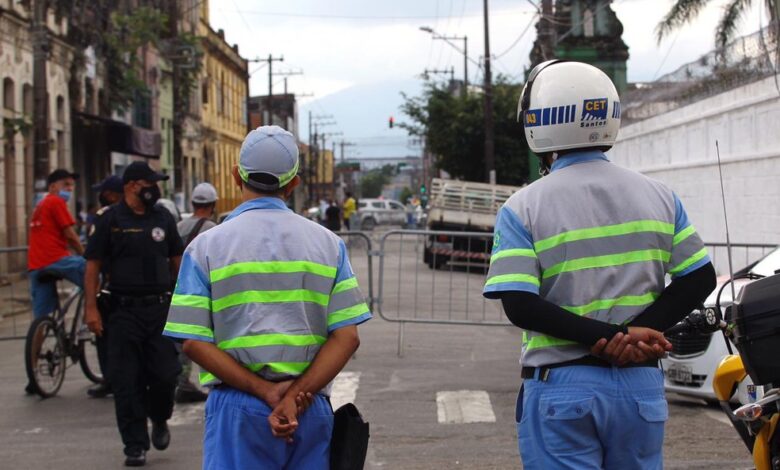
x=435, y=277
x=742, y=255
x=15, y=308
x=361, y=256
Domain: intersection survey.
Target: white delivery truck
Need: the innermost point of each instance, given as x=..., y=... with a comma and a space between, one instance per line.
x=462, y=206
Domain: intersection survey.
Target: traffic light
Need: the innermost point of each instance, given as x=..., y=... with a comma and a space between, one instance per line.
x=422, y=189
x=390, y=122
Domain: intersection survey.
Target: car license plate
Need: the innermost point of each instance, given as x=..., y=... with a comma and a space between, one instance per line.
x=679, y=373
x=442, y=245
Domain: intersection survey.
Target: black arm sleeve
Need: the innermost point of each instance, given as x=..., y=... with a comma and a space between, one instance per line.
x=678, y=299
x=530, y=312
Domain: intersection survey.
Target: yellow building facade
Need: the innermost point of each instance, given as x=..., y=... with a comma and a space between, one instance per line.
x=225, y=89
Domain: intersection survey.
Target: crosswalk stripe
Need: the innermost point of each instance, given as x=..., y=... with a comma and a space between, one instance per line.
x=344, y=389
x=464, y=406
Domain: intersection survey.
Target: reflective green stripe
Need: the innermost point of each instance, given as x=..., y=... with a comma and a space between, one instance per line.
x=347, y=313
x=195, y=301
x=269, y=297
x=604, y=261
x=698, y=256
x=513, y=252
x=271, y=267
x=189, y=329
x=271, y=339
x=291, y=368
x=502, y=278
x=604, y=304
x=605, y=231
x=344, y=285
x=538, y=342
x=684, y=233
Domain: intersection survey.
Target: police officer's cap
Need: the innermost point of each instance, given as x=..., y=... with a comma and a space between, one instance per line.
x=141, y=171
x=111, y=183
x=269, y=158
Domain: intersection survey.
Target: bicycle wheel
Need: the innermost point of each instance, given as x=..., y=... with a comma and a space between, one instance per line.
x=45, y=357
x=88, y=359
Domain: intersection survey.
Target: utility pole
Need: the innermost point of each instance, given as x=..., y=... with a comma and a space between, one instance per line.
x=490, y=163
x=41, y=47
x=345, y=144
x=546, y=31
x=270, y=105
x=450, y=72
x=465, y=51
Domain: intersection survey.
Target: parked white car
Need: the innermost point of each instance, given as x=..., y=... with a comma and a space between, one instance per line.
x=691, y=365
x=373, y=212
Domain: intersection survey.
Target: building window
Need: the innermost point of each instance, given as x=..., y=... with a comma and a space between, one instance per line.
x=221, y=95
x=142, y=109
x=61, y=150
x=8, y=94
x=60, y=109
x=89, y=97
x=204, y=91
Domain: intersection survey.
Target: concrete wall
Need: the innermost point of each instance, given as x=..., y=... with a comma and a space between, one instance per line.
x=678, y=148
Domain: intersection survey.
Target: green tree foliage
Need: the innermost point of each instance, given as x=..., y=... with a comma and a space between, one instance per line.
x=372, y=182
x=406, y=193
x=453, y=130
x=685, y=11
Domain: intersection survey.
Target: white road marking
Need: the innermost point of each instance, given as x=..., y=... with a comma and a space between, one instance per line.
x=34, y=431
x=718, y=416
x=344, y=389
x=191, y=413
x=464, y=406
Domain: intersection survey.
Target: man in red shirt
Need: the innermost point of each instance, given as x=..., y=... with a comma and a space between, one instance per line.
x=51, y=232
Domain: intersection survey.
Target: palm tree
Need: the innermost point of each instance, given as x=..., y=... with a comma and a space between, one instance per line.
x=685, y=11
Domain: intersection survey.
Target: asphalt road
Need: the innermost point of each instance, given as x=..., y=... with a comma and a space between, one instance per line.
x=447, y=403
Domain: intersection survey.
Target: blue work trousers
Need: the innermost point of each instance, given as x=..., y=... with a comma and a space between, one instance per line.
x=238, y=435
x=585, y=417
x=44, y=294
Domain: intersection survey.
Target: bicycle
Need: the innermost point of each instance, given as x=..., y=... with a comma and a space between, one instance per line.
x=49, y=344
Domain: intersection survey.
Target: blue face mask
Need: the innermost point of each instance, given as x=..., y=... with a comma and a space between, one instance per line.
x=65, y=194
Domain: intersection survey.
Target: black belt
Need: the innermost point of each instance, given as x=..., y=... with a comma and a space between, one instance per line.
x=142, y=300
x=544, y=371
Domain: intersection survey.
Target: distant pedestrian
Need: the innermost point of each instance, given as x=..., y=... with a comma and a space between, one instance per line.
x=204, y=200
x=333, y=217
x=350, y=206
x=52, y=232
x=139, y=242
x=579, y=262
x=268, y=306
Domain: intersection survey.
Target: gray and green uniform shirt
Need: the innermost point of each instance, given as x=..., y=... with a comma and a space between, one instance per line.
x=266, y=286
x=594, y=239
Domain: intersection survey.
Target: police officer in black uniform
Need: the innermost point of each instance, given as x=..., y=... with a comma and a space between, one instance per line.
x=140, y=243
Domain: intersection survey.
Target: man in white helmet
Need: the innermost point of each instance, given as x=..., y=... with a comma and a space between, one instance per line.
x=579, y=261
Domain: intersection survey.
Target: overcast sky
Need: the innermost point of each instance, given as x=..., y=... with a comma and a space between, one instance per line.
x=340, y=44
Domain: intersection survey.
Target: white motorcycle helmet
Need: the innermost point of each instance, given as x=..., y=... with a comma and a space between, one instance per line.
x=568, y=105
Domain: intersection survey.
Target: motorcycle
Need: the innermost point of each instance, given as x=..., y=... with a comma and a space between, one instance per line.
x=752, y=323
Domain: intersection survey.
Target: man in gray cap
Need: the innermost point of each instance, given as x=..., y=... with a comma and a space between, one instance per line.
x=204, y=199
x=267, y=304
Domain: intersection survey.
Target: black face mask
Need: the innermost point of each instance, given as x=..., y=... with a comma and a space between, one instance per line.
x=104, y=201
x=149, y=195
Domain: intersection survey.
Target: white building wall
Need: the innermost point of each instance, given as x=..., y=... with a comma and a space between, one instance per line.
x=678, y=148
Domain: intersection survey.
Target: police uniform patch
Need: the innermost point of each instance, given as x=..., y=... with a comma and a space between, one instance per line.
x=91, y=230
x=497, y=239
x=158, y=234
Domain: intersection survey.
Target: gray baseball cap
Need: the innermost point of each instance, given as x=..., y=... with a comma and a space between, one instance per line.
x=269, y=158
x=204, y=193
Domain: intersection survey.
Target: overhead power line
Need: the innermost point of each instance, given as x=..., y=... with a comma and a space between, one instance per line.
x=359, y=17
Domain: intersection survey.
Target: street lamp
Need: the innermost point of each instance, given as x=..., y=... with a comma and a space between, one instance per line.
x=465, y=51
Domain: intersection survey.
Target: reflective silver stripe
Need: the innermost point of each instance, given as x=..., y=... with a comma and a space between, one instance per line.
x=583, y=287
x=189, y=315
x=685, y=249
x=604, y=246
x=514, y=265
x=275, y=354
x=249, y=319
x=271, y=282
x=345, y=299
